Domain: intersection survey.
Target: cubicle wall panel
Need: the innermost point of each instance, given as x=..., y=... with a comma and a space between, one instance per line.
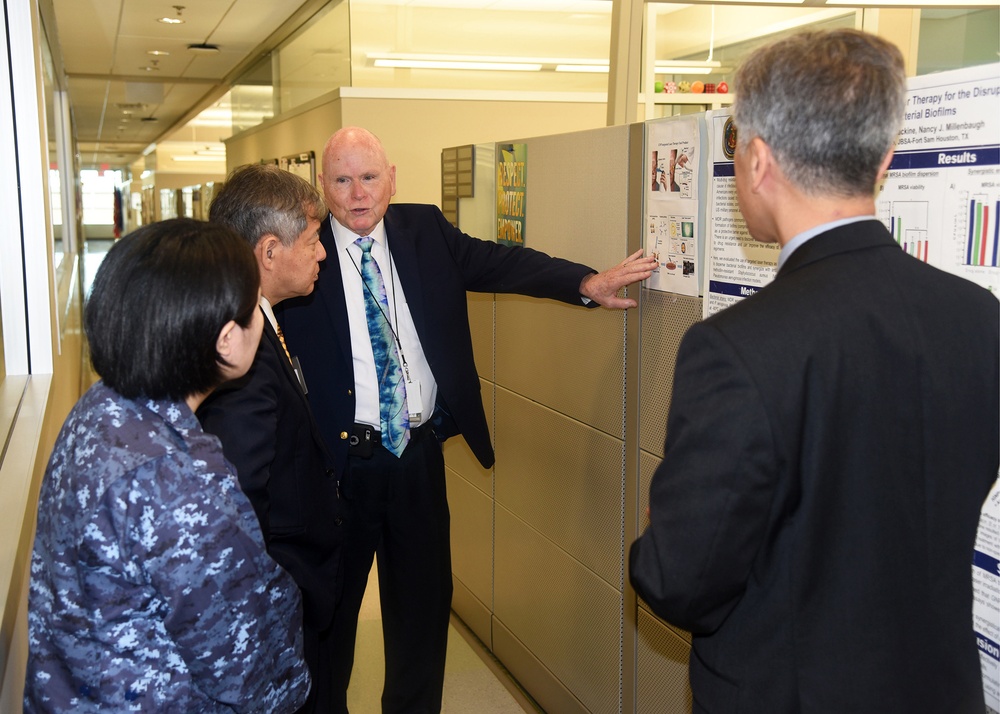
x=481, y=323
x=577, y=204
x=662, y=668
x=459, y=457
x=665, y=319
x=563, y=479
x=566, y=616
x=647, y=465
x=545, y=689
x=476, y=615
x=569, y=358
x=471, y=536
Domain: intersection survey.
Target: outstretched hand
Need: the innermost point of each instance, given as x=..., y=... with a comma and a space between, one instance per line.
x=603, y=287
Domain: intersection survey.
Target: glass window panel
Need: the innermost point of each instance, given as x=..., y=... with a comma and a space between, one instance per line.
x=316, y=59
x=540, y=32
x=99, y=196
x=952, y=39
x=252, y=97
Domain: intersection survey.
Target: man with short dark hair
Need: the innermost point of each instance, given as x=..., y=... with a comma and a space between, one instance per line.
x=831, y=439
x=264, y=420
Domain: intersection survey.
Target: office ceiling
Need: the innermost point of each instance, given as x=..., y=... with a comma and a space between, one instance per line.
x=124, y=98
x=135, y=81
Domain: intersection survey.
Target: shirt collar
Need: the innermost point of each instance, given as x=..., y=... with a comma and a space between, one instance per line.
x=796, y=242
x=345, y=237
x=268, y=311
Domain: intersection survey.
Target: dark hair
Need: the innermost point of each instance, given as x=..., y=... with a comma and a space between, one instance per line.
x=261, y=199
x=160, y=299
x=828, y=103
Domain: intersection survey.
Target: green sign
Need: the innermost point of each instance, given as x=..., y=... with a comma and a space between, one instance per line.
x=512, y=179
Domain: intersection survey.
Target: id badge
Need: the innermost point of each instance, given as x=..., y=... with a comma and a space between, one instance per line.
x=414, y=402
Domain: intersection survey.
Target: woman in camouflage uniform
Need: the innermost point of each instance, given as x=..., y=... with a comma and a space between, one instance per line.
x=150, y=586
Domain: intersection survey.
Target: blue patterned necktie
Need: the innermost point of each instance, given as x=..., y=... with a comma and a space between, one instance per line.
x=395, y=418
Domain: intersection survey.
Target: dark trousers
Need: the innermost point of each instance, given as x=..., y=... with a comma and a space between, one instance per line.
x=319, y=653
x=399, y=510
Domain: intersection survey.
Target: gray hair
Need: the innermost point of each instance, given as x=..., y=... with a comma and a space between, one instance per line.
x=262, y=199
x=829, y=104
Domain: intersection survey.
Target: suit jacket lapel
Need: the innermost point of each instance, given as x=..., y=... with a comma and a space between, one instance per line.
x=275, y=344
x=270, y=337
x=403, y=248
x=333, y=296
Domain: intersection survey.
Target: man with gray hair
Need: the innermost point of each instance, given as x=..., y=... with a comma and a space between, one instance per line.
x=264, y=421
x=830, y=439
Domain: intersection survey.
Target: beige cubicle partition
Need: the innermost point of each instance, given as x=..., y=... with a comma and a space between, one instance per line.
x=577, y=401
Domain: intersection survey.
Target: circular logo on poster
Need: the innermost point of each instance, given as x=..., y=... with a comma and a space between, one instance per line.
x=729, y=138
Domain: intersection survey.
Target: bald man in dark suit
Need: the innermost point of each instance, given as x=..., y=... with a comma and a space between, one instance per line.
x=393, y=474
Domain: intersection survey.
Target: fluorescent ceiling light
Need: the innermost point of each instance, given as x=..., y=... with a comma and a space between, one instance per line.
x=673, y=69
x=526, y=64
x=686, y=67
x=458, y=64
x=914, y=3
x=171, y=20
x=186, y=157
x=489, y=62
x=779, y=2
x=594, y=68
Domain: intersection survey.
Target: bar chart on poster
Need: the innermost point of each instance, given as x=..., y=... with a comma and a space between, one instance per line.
x=908, y=224
x=976, y=228
x=941, y=196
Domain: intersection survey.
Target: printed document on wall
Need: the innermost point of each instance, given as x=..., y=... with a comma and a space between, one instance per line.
x=737, y=265
x=672, y=214
x=941, y=196
x=986, y=597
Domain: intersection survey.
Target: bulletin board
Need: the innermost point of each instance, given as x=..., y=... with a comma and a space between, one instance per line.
x=302, y=165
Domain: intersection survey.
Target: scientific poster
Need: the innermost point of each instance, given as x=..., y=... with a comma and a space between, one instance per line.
x=986, y=597
x=672, y=206
x=512, y=193
x=737, y=265
x=941, y=196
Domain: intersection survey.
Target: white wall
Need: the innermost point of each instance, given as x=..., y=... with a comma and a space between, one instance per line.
x=414, y=127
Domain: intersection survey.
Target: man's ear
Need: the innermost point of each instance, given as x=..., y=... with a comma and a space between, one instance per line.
x=266, y=248
x=224, y=343
x=761, y=161
x=884, y=166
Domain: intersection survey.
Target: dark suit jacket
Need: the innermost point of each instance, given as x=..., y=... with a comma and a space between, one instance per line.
x=829, y=445
x=436, y=264
x=268, y=432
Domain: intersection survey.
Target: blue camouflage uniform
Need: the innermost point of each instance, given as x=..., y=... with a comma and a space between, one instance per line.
x=151, y=589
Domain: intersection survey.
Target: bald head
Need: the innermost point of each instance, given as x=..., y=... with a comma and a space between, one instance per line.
x=357, y=179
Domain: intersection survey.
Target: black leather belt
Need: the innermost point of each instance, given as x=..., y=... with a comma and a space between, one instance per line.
x=364, y=438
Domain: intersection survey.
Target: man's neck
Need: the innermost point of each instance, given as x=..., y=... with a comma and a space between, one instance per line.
x=807, y=212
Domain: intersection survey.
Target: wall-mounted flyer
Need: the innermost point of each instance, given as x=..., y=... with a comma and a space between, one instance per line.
x=986, y=597
x=672, y=205
x=940, y=201
x=512, y=193
x=941, y=196
x=737, y=265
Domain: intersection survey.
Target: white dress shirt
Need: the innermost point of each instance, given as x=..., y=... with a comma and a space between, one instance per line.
x=365, y=379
